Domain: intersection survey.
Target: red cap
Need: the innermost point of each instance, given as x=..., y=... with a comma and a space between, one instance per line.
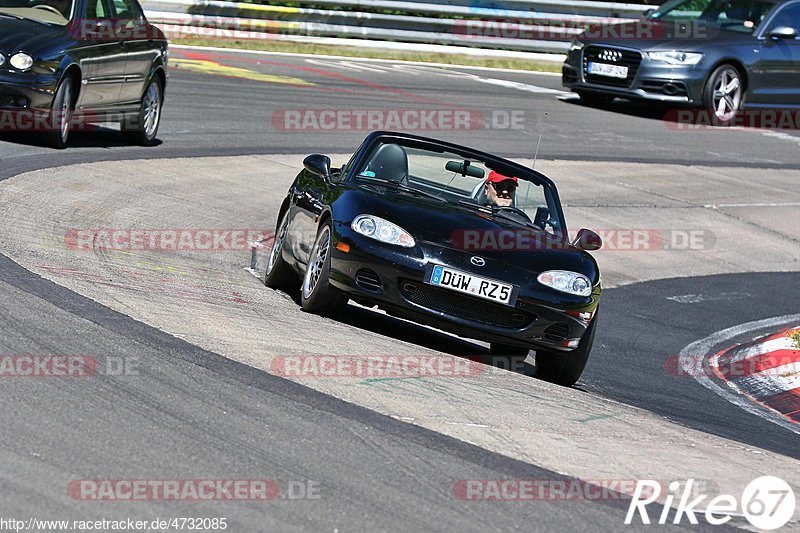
x=496, y=177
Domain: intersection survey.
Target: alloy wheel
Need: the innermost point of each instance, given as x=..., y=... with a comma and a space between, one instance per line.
x=317, y=262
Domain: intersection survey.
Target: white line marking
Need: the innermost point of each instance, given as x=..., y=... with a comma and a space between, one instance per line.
x=521, y=86
x=697, y=298
x=782, y=343
x=781, y=135
x=703, y=346
x=369, y=59
x=779, y=204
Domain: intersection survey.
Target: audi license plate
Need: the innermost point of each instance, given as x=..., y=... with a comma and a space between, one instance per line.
x=612, y=71
x=456, y=280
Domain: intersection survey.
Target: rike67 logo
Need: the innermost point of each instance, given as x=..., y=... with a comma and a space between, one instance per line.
x=767, y=502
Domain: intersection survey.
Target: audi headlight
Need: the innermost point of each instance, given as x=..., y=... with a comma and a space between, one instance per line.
x=21, y=61
x=565, y=281
x=675, y=57
x=382, y=230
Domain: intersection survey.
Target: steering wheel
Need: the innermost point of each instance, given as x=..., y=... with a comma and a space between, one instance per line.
x=49, y=8
x=517, y=211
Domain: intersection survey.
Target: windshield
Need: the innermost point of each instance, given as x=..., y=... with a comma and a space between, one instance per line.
x=738, y=15
x=453, y=178
x=49, y=11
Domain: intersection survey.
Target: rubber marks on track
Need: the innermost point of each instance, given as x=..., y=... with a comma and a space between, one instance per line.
x=767, y=370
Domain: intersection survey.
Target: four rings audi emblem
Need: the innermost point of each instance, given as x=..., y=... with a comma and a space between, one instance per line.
x=477, y=261
x=610, y=55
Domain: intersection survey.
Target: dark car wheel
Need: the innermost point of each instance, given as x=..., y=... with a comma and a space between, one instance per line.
x=61, y=112
x=143, y=128
x=595, y=98
x=316, y=294
x=565, y=368
x=724, y=93
x=279, y=274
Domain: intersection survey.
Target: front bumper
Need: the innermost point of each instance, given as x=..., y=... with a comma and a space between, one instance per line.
x=23, y=91
x=394, y=278
x=647, y=80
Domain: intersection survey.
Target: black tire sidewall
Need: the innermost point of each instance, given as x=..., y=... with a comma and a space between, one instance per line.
x=55, y=138
x=324, y=298
x=282, y=275
x=708, y=96
x=565, y=368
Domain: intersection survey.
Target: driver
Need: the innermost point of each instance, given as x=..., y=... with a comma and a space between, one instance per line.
x=63, y=6
x=500, y=190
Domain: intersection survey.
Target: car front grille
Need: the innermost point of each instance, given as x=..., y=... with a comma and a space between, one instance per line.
x=626, y=58
x=463, y=306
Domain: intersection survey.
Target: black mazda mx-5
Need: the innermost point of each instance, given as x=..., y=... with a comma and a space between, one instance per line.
x=68, y=62
x=410, y=224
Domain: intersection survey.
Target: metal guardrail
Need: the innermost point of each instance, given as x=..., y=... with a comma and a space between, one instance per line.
x=545, y=26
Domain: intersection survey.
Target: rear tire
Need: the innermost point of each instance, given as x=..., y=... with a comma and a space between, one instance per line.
x=565, y=368
x=61, y=112
x=278, y=273
x=596, y=99
x=316, y=293
x=142, y=129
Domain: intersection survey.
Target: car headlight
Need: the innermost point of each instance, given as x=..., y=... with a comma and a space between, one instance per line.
x=2, y=59
x=566, y=281
x=382, y=230
x=675, y=57
x=576, y=45
x=21, y=61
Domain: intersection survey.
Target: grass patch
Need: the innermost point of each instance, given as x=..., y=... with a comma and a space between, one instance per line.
x=290, y=47
x=795, y=336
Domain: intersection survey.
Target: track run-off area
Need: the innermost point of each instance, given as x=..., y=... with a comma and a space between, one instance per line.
x=701, y=254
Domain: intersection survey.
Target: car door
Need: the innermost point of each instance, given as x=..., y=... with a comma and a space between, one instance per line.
x=101, y=57
x=139, y=48
x=778, y=70
x=305, y=216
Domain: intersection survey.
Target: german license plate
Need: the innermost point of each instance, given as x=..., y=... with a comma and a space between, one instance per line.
x=455, y=280
x=612, y=71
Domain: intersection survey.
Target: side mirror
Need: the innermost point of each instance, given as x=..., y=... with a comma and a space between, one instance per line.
x=588, y=240
x=648, y=13
x=319, y=165
x=783, y=32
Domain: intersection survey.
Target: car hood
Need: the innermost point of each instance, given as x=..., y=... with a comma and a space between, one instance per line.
x=462, y=228
x=654, y=35
x=26, y=35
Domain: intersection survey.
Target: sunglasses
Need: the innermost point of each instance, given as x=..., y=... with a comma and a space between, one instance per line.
x=504, y=188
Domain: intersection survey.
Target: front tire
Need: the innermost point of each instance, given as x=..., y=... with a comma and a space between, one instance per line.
x=61, y=112
x=565, y=368
x=142, y=129
x=724, y=94
x=316, y=294
x=279, y=274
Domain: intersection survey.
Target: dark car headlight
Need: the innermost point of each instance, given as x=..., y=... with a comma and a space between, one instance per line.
x=676, y=57
x=566, y=281
x=382, y=230
x=21, y=61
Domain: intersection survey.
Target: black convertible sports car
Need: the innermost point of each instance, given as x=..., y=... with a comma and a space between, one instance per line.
x=65, y=61
x=446, y=236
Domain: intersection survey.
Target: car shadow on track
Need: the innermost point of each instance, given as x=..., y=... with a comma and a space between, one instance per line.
x=377, y=322
x=96, y=137
x=631, y=108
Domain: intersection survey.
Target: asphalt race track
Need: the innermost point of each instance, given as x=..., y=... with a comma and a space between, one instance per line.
x=203, y=334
